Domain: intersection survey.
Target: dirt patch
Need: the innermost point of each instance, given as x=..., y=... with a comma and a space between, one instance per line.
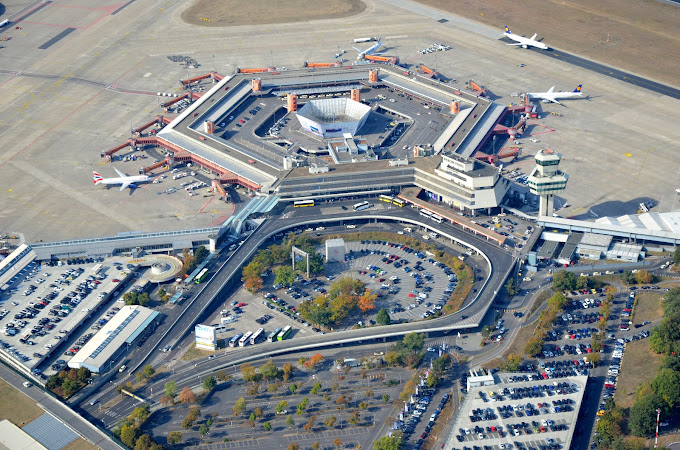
x=80, y=444
x=16, y=407
x=220, y=13
x=195, y=353
x=648, y=307
x=642, y=37
x=639, y=366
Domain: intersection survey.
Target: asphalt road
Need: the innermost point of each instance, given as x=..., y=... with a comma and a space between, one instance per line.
x=501, y=260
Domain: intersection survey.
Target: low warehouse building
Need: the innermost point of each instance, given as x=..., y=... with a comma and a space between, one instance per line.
x=114, y=338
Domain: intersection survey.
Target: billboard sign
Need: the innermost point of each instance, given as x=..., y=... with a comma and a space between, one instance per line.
x=206, y=337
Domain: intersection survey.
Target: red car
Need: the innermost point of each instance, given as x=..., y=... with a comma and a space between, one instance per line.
x=241, y=305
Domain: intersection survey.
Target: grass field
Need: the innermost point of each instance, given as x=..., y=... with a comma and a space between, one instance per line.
x=639, y=366
x=210, y=13
x=648, y=307
x=642, y=37
x=195, y=353
x=16, y=407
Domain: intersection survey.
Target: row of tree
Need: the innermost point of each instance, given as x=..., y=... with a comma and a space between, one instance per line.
x=68, y=382
x=345, y=296
x=546, y=320
x=407, y=352
x=129, y=430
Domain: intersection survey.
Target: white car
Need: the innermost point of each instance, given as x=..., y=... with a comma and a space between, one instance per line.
x=351, y=226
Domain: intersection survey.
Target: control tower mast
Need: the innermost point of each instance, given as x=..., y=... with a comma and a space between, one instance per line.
x=546, y=180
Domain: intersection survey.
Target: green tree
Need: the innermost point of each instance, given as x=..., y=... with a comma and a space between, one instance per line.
x=252, y=417
x=144, y=442
x=290, y=422
x=676, y=255
x=511, y=287
x=383, y=317
x=209, y=383
x=267, y=426
x=667, y=385
x=269, y=370
x=203, y=430
x=388, y=443
x=128, y=435
x=281, y=406
x=316, y=388
x=534, y=346
x=486, y=331
x=174, y=437
x=642, y=417
x=200, y=254
x=414, y=342
x=354, y=419
x=363, y=405
x=386, y=398
x=170, y=389
x=292, y=388
x=564, y=281
x=285, y=275
x=239, y=407
x=330, y=421
x=140, y=415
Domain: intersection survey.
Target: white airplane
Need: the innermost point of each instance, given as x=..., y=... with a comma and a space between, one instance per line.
x=370, y=50
x=524, y=42
x=124, y=180
x=552, y=96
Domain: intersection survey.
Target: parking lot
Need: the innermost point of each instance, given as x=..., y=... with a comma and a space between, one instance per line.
x=519, y=414
x=46, y=303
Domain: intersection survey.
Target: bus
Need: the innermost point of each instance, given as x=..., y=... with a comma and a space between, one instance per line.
x=385, y=198
x=436, y=218
x=233, y=341
x=425, y=213
x=398, y=202
x=360, y=206
x=284, y=333
x=303, y=203
x=244, y=339
x=256, y=336
x=201, y=276
x=273, y=334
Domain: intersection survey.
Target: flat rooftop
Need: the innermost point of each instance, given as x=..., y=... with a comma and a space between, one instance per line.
x=552, y=394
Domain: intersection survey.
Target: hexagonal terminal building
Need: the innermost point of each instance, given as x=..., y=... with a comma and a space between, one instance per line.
x=546, y=180
x=330, y=118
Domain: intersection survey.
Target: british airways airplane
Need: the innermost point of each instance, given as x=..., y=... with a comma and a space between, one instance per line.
x=124, y=180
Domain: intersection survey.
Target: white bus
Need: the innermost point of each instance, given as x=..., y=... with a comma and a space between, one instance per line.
x=256, y=336
x=360, y=206
x=244, y=339
x=436, y=218
x=273, y=334
x=425, y=213
x=233, y=341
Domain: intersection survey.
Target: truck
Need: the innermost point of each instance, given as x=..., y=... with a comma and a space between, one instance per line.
x=364, y=39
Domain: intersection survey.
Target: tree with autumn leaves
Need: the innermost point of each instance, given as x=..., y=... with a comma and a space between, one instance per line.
x=367, y=301
x=344, y=297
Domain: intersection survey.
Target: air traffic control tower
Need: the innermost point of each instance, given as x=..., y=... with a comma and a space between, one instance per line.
x=546, y=180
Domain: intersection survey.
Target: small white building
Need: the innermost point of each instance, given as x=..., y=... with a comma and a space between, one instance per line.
x=480, y=377
x=335, y=250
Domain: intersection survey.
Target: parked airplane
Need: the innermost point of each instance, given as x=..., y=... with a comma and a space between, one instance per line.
x=124, y=180
x=370, y=50
x=524, y=42
x=552, y=96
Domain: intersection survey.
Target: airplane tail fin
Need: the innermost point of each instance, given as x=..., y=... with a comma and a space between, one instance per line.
x=507, y=30
x=578, y=88
x=96, y=178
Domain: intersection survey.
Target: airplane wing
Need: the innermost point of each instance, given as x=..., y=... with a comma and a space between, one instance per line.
x=121, y=174
x=550, y=91
x=551, y=99
x=519, y=43
x=124, y=185
x=357, y=49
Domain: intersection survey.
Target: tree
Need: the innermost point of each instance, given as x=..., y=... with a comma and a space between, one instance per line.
x=174, y=437
x=369, y=393
x=313, y=360
x=252, y=417
x=316, y=445
x=281, y=406
x=388, y=443
x=511, y=287
x=330, y=421
x=203, y=430
x=290, y=422
x=285, y=275
x=200, y=254
x=643, y=277
x=316, y=388
x=292, y=388
x=287, y=371
x=367, y=301
x=386, y=398
x=310, y=424
x=171, y=390
x=383, y=317
x=293, y=446
x=239, y=406
x=248, y=372
x=512, y=363
x=564, y=281
x=676, y=255
x=269, y=370
x=486, y=331
x=337, y=442
x=144, y=442
x=128, y=435
x=140, y=415
x=667, y=386
x=341, y=401
x=354, y=419
x=534, y=346
x=301, y=407
x=187, y=396
x=267, y=426
x=363, y=405
x=149, y=372
x=414, y=342
x=642, y=417
x=209, y=383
